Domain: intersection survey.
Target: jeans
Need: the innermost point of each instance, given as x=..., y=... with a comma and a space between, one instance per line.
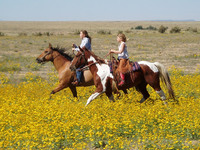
x=79, y=74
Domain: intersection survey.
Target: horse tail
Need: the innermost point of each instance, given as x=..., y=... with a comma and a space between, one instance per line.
x=164, y=76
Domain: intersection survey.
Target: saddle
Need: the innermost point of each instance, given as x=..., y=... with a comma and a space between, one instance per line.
x=134, y=66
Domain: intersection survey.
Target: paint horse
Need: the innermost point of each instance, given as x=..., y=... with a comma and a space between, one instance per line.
x=103, y=79
x=147, y=73
x=61, y=62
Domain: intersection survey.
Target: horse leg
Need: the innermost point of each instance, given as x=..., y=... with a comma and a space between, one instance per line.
x=110, y=96
x=58, y=88
x=154, y=82
x=162, y=95
x=92, y=97
x=142, y=88
x=160, y=92
x=110, y=86
x=73, y=90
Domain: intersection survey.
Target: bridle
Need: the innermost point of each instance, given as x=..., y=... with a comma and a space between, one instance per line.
x=48, y=53
x=81, y=56
x=85, y=65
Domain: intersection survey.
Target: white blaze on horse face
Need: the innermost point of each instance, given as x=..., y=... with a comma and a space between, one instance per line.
x=151, y=65
x=103, y=72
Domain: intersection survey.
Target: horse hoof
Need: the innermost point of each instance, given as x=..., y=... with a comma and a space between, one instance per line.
x=142, y=100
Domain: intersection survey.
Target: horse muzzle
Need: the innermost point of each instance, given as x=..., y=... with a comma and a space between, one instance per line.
x=39, y=60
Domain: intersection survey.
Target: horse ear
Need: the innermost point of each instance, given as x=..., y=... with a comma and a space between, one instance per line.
x=50, y=46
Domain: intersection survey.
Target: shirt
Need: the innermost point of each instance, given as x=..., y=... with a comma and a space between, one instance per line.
x=85, y=42
x=124, y=54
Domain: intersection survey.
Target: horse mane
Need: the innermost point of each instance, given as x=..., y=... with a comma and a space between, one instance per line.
x=99, y=59
x=63, y=52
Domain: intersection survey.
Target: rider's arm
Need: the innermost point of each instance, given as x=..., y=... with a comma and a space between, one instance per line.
x=83, y=43
x=75, y=47
x=120, y=50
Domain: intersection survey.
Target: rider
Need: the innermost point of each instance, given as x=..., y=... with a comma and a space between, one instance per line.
x=122, y=57
x=86, y=42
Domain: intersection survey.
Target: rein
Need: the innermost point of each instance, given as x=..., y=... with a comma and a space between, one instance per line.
x=46, y=55
x=82, y=56
x=87, y=66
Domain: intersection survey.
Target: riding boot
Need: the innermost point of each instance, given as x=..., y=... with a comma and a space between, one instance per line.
x=75, y=82
x=123, y=79
x=77, y=77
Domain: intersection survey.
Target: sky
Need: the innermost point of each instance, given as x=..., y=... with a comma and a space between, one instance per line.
x=99, y=10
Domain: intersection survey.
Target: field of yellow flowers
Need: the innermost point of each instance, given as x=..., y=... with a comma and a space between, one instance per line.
x=30, y=119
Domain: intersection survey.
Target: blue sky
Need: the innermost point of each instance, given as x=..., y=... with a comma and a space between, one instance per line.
x=99, y=10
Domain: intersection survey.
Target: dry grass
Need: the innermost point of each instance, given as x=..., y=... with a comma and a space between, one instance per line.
x=21, y=45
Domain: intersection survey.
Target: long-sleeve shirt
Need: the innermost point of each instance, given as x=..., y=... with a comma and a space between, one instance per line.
x=85, y=42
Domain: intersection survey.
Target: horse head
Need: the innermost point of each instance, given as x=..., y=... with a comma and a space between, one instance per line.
x=47, y=55
x=115, y=63
x=79, y=59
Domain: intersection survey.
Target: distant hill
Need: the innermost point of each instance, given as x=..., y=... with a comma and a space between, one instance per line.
x=189, y=20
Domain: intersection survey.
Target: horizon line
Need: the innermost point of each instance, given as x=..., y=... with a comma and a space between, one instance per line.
x=167, y=20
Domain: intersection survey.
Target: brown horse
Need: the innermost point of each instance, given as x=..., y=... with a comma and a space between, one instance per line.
x=148, y=74
x=62, y=63
x=103, y=79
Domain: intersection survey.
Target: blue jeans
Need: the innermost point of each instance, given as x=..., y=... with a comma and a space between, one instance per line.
x=79, y=75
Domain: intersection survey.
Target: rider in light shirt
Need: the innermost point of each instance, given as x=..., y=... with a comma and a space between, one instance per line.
x=122, y=56
x=86, y=42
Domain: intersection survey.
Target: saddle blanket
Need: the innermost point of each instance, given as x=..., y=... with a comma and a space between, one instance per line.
x=135, y=66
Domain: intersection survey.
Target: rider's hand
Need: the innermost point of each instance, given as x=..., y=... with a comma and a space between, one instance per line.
x=73, y=49
x=73, y=45
x=111, y=51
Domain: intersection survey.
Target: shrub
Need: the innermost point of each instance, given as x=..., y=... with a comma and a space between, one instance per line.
x=192, y=29
x=76, y=32
x=22, y=34
x=2, y=34
x=41, y=34
x=162, y=29
x=37, y=34
x=175, y=30
x=151, y=28
x=128, y=31
x=48, y=33
x=119, y=32
x=103, y=32
x=139, y=28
